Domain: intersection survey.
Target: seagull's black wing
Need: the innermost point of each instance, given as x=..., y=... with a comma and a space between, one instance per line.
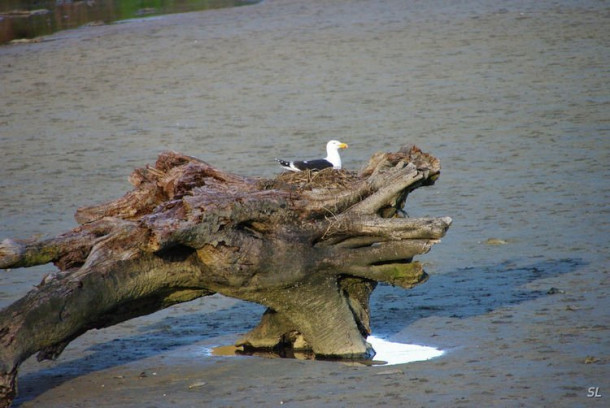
x=317, y=164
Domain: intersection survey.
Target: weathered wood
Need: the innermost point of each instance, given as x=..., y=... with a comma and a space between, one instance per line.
x=309, y=246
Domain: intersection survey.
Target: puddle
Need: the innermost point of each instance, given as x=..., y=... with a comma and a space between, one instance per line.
x=387, y=353
x=399, y=353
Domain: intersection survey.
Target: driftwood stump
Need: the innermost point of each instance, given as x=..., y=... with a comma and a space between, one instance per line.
x=309, y=246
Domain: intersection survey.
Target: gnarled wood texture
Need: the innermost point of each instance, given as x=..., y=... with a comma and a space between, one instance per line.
x=309, y=246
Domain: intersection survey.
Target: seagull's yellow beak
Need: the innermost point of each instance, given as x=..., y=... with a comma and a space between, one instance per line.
x=343, y=146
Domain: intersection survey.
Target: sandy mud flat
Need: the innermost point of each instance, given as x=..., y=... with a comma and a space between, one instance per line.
x=511, y=96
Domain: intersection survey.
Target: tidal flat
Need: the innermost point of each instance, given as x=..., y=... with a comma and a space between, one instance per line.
x=511, y=96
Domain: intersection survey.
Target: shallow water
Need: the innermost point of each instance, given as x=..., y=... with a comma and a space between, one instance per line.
x=512, y=97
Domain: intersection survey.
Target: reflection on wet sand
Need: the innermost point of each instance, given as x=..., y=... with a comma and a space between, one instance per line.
x=387, y=353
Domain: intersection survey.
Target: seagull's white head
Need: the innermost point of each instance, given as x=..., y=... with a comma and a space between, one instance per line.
x=335, y=145
x=332, y=152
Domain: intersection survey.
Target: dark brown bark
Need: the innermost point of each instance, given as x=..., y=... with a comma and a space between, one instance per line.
x=309, y=246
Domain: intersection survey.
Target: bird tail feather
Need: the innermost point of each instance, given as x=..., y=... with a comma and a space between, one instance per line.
x=283, y=162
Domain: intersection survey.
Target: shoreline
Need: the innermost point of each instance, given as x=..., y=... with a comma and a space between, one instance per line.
x=23, y=26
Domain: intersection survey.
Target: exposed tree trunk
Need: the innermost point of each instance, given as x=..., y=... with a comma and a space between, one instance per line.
x=309, y=246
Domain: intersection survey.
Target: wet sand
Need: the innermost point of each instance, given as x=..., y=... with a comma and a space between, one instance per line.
x=511, y=96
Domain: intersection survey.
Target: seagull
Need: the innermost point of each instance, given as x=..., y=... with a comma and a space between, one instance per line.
x=332, y=159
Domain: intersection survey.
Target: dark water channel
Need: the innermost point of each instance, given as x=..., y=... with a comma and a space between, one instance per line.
x=24, y=20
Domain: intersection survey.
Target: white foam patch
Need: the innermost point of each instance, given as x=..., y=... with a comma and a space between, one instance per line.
x=399, y=353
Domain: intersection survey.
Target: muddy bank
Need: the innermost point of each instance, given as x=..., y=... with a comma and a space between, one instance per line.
x=511, y=97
